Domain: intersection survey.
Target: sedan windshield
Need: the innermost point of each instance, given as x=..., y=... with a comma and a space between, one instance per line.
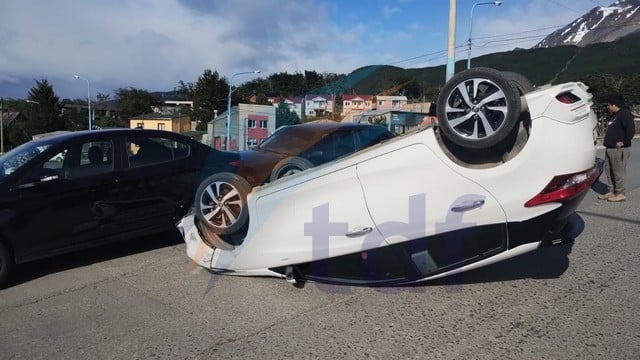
x=290, y=141
x=14, y=159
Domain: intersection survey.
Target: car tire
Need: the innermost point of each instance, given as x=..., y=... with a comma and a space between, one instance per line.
x=478, y=108
x=290, y=166
x=6, y=265
x=221, y=203
x=522, y=83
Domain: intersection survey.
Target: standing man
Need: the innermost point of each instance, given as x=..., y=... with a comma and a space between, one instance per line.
x=617, y=142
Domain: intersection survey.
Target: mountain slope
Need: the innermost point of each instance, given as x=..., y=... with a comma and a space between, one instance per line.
x=600, y=24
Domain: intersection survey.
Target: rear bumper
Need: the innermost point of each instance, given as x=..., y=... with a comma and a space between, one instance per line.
x=551, y=228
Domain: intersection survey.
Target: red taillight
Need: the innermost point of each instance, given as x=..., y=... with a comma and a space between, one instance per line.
x=567, y=98
x=565, y=187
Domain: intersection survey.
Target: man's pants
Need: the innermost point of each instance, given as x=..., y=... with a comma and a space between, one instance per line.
x=615, y=167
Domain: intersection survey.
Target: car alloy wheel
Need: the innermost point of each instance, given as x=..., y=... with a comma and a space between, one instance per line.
x=290, y=166
x=478, y=108
x=221, y=203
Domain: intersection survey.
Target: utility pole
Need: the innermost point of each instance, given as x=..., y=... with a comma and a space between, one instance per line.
x=451, y=44
x=1, y=125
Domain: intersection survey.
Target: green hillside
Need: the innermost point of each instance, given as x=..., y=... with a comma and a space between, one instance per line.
x=541, y=66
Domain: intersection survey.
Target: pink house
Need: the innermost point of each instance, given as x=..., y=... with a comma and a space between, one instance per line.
x=356, y=102
x=390, y=102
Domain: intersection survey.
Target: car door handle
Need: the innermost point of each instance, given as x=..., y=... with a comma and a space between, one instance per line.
x=359, y=231
x=468, y=206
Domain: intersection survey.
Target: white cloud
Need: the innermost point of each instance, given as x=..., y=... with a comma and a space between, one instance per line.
x=516, y=24
x=153, y=44
x=389, y=11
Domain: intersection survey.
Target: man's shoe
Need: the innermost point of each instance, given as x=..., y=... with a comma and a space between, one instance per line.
x=606, y=196
x=617, y=197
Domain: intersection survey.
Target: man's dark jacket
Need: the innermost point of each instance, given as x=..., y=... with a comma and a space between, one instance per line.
x=621, y=128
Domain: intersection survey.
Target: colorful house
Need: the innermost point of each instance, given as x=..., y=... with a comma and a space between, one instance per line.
x=250, y=125
x=318, y=105
x=356, y=103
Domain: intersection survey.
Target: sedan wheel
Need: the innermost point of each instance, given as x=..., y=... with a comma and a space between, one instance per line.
x=521, y=82
x=221, y=203
x=290, y=166
x=478, y=108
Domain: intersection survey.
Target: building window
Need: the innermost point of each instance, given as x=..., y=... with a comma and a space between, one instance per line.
x=263, y=124
x=251, y=123
x=161, y=126
x=252, y=143
x=140, y=125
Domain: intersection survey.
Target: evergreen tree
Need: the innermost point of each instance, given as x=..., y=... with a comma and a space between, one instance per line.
x=209, y=94
x=44, y=114
x=284, y=116
x=133, y=102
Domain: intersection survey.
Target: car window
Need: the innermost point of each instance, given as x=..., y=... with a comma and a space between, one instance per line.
x=287, y=140
x=372, y=135
x=74, y=162
x=331, y=147
x=84, y=159
x=56, y=161
x=21, y=155
x=144, y=151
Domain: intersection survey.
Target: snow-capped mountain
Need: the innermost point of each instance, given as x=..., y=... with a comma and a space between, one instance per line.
x=600, y=24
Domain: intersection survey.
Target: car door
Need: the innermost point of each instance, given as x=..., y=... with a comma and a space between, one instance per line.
x=58, y=197
x=156, y=185
x=439, y=219
x=322, y=226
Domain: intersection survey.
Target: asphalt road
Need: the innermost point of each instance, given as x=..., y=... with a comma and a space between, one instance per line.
x=144, y=299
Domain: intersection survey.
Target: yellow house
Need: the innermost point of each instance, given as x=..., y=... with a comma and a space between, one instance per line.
x=177, y=124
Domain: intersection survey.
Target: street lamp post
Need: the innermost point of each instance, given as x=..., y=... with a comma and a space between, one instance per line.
x=88, y=97
x=496, y=3
x=31, y=107
x=1, y=125
x=229, y=104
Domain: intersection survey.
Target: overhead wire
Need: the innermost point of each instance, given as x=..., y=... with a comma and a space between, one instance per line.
x=506, y=40
x=497, y=43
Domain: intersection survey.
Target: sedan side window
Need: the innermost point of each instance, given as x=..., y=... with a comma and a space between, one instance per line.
x=88, y=159
x=78, y=161
x=373, y=135
x=333, y=146
x=56, y=161
x=143, y=151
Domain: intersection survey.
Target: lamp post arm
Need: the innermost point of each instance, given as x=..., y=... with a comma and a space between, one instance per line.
x=496, y=3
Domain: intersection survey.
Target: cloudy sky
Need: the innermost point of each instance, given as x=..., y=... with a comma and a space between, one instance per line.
x=153, y=44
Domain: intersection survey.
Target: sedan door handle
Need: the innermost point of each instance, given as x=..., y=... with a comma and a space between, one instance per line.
x=468, y=206
x=359, y=231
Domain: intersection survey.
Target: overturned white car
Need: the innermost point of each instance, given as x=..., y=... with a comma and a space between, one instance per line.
x=497, y=177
